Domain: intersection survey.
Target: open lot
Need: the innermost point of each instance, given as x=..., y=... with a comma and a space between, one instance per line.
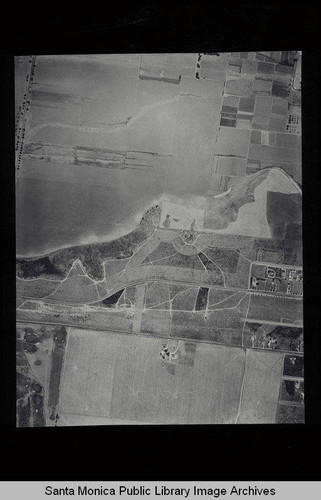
x=113, y=379
x=269, y=308
x=261, y=387
x=110, y=379
x=35, y=288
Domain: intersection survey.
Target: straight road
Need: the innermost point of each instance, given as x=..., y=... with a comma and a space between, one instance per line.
x=169, y=282
x=142, y=334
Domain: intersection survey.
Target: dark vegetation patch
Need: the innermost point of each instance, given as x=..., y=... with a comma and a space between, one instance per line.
x=23, y=380
x=29, y=392
x=30, y=336
x=30, y=347
x=21, y=359
x=37, y=267
x=291, y=390
x=293, y=252
x=282, y=209
x=289, y=387
x=254, y=327
x=201, y=300
x=287, y=337
x=55, y=376
x=293, y=366
x=113, y=299
x=60, y=336
x=23, y=413
x=290, y=414
x=36, y=387
x=293, y=231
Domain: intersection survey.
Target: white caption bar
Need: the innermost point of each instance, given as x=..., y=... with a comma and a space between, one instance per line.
x=40, y=490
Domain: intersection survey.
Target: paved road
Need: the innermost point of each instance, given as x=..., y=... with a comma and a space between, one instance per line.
x=268, y=322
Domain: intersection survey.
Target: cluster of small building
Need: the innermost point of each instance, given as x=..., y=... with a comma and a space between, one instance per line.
x=282, y=280
x=169, y=356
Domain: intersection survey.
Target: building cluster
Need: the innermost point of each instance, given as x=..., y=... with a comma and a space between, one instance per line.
x=278, y=279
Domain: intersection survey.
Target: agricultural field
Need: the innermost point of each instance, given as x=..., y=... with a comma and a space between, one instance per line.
x=127, y=381
x=261, y=387
x=280, y=309
x=223, y=325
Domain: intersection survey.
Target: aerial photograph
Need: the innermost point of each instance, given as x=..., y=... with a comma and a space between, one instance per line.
x=159, y=274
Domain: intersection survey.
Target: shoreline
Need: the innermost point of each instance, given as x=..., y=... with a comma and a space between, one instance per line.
x=116, y=234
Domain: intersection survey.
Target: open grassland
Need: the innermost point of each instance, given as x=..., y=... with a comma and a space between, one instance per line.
x=89, y=371
x=185, y=300
x=261, y=387
x=113, y=379
x=157, y=293
x=239, y=278
x=219, y=326
x=218, y=384
x=76, y=289
x=281, y=309
x=35, y=288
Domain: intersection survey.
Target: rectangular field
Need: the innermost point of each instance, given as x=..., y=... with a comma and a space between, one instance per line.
x=89, y=371
x=261, y=387
x=112, y=378
x=271, y=308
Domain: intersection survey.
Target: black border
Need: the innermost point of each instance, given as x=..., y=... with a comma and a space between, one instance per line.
x=247, y=452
